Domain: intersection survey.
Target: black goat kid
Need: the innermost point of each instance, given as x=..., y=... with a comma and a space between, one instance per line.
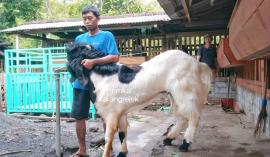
x=77, y=52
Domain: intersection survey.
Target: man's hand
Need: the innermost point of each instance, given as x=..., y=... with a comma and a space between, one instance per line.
x=198, y=58
x=88, y=63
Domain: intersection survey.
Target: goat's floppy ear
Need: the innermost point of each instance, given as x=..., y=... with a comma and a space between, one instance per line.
x=71, y=47
x=90, y=47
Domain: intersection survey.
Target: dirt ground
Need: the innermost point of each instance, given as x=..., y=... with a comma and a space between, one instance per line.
x=220, y=134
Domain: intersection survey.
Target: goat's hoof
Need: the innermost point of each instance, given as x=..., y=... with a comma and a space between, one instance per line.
x=167, y=141
x=121, y=154
x=184, y=147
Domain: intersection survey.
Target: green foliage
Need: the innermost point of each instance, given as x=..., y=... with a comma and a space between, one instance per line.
x=16, y=12
x=151, y=6
x=63, y=9
x=120, y=7
x=19, y=11
x=24, y=42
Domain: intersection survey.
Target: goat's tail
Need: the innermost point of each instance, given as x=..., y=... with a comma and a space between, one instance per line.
x=206, y=75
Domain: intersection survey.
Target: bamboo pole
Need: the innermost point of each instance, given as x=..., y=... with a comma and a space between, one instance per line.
x=261, y=121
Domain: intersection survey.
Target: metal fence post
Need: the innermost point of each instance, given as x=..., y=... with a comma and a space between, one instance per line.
x=57, y=117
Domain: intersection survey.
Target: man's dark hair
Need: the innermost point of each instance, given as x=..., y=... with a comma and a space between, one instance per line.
x=92, y=9
x=208, y=36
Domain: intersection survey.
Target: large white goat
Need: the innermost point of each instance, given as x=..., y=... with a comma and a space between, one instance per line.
x=186, y=80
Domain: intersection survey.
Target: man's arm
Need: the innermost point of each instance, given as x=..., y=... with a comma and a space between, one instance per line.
x=89, y=63
x=216, y=63
x=110, y=48
x=198, y=57
x=199, y=54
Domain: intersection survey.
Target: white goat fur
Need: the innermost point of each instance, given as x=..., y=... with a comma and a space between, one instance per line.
x=186, y=80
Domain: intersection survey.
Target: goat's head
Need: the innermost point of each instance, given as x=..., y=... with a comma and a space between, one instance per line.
x=74, y=51
x=90, y=53
x=82, y=50
x=75, y=54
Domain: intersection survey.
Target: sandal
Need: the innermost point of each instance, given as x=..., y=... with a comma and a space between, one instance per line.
x=77, y=154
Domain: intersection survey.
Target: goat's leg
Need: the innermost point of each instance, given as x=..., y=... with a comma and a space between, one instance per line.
x=193, y=123
x=174, y=131
x=123, y=124
x=111, y=127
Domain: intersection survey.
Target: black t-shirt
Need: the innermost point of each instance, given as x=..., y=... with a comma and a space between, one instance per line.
x=208, y=56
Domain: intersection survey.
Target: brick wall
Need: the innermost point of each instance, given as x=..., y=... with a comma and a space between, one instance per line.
x=250, y=102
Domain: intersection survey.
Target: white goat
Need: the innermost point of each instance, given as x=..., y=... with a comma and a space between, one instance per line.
x=186, y=80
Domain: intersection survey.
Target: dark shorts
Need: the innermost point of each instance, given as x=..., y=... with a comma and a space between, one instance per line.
x=81, y=104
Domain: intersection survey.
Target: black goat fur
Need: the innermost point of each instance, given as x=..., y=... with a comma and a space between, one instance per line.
x=77, y=52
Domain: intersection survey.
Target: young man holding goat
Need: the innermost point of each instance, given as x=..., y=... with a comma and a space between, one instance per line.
x=183, y=77
x=102, y=41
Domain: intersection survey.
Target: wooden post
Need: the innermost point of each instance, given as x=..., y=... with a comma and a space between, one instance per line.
x=164, y=43
x=17, y=47
x=17, y=41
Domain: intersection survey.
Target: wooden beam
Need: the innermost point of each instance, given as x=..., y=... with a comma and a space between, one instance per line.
x=17, y=42
x=249, y=30
x=184, y=4
x=214, y=23
x=40, y=117
x=190, y=3
x=200, y=6
x=204, y=6
x=159, y=28
x=132, y=60
x=38, y=37
x=212, y=2
x=5, y=44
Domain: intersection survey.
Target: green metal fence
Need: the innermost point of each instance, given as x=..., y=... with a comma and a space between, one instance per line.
x=30, y=80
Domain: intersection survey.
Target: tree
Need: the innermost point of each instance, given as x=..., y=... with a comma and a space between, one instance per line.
x=61, y=9
x=18, y=11
x=120, y=7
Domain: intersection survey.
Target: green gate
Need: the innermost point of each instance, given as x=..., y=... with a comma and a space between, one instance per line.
x=30, y=80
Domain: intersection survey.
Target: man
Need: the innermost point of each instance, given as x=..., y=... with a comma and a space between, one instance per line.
x=102, y=41
x=207, y=54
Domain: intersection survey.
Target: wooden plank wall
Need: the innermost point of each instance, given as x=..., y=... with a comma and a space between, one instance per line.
x=254, y=70
x=154, y=45
x=249, y=29
x=252, y=75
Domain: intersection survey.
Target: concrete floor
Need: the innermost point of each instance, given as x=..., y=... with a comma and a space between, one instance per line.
x=220, y=134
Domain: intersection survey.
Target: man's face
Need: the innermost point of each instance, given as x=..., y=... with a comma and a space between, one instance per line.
x=90, y=21
x=208, y=40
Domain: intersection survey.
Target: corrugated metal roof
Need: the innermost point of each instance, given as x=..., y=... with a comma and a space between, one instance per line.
x=103, y=22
